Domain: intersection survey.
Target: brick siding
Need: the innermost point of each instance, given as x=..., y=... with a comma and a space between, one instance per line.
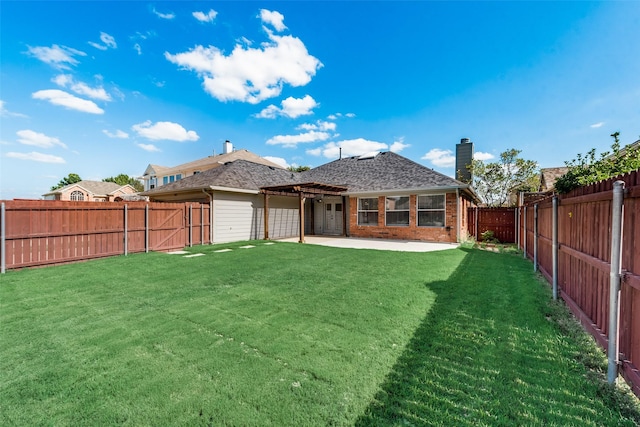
x=412, y=231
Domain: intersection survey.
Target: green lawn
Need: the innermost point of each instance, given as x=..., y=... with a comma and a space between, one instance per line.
x=290, y=334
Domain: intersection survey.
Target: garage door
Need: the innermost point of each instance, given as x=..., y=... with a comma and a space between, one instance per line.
x=234, y=216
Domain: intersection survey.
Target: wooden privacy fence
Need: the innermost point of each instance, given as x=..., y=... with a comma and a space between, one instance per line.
x=44, y=232
x=502, y=221
x=582, y=257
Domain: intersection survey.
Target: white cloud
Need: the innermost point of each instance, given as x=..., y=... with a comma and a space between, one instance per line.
x=597, y=125
x=398, y=146
x=291, y=107
x=29, y=137
x=205, y=17
x=149, y=147
x=169, y=15
x=6, y=113
x=164, y=130
x=64, y=99
x=250, y=74
x=483, y=156
x=442, y=158
x=277, y=160
x=350, y=147
x=60, y=57
x=137, y=48
x=107, y=40
x=290, y=141
x=275, y=19
x=336, y=116
x=118, y=134
x=36, y=157
x=319, y=125
x=66, y=81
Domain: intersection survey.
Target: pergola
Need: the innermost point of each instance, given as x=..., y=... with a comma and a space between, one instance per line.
x=302, y=191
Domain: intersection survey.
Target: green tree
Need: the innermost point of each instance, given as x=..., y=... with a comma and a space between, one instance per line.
x=72, y=178
x=587, y=169
x=124, y=179
x=494, y=182
x=299, y=168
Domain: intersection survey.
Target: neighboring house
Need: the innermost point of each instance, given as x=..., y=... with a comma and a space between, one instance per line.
x=91, y=191
x=377, y=195
x=156, y=176
x=548, y=178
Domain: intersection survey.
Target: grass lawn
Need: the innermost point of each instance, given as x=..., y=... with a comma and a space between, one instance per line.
x=290, y=334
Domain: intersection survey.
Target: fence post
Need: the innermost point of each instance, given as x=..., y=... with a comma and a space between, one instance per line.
x=3, y=229
x=524, y=232
x=126, y=226
x=476, y=224
x=190, y=226
x=617, y=207
x=146, y=228
x=535, y=237
x=201, y=224
x=554, y=238
x=518, y=227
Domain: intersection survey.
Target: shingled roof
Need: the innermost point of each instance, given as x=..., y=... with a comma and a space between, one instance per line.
x=99, y=188
x=239, y=174
x=384, y=171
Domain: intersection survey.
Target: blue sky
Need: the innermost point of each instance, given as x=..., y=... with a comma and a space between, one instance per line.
x=103, y=88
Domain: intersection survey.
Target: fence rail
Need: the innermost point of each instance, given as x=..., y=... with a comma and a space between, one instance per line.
x=584, y=227
x=44, y=232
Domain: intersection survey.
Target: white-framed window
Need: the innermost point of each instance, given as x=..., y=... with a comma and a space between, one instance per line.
x=431, y=210
x=165, y=180
x=77, y=196
x=397, y=211
x=368, y=211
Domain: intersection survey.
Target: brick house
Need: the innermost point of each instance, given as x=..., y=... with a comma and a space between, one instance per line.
x=382, y=195
x=91, y=191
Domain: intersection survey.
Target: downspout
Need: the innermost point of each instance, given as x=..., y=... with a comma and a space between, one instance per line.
x=458, y=219
x=210, y=215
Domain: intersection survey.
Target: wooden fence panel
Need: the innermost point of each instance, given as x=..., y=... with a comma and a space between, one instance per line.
x=43, y=232
x=499, y=220
x=584, y=240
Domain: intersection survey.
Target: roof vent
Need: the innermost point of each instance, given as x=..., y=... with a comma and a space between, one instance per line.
x=370, y=155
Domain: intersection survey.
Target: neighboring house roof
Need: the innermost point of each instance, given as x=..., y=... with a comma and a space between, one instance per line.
x=239, y=174
x=210, y=162
x=383, y=172
x=548, y=177
x=93, y=187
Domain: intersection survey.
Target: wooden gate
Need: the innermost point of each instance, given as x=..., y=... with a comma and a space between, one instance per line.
x=502, y=221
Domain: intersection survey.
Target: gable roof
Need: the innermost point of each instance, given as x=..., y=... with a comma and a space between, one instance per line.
x=99, y=188
x=386, y=171
x=549, y=176
x=210, y=162
x=239, y=174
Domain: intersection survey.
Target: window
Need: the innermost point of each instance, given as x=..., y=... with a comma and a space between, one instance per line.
x=431, y=210
x=77, y=196
x=368, y=211
x=397, y=211
x=178, y=177
x=165, y=180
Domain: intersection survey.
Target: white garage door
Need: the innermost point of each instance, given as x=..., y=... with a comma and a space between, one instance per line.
x=234, y=217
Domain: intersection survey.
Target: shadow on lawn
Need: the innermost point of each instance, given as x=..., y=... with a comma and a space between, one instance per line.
x=487, y=355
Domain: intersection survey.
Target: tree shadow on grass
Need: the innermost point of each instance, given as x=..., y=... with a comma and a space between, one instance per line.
x=488, y=354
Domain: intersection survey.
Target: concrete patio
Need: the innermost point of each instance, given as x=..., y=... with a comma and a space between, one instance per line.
x=377, y=244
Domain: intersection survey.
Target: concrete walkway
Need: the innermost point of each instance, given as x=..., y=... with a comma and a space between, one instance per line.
x=378, y=244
